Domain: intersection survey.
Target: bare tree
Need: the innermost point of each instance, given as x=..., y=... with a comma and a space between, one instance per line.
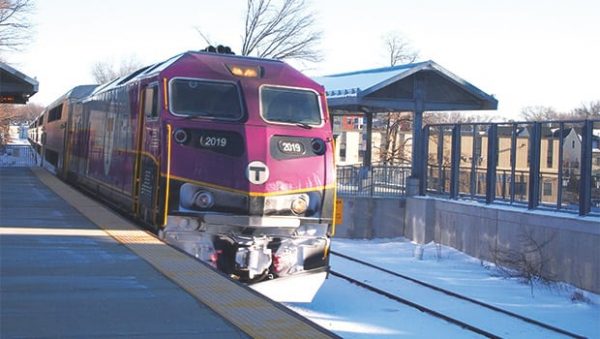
x=105, y=71
x=456, y=117
x=286, y=31
x=393, y=150
x=538, y=113
x=6, y=117
x=15, y=27
x=25, y=113
x=530, y=262
x=587, y=111
x=590, y=110
x=205, y=37
x=399, y=49
x=16, y=114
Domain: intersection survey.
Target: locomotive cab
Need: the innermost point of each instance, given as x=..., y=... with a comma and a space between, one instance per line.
x=250, y=167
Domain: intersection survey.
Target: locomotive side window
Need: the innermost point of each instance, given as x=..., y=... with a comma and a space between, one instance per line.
x=290, y=105
x=201, y=98
x=55, y=113
x=151, y=101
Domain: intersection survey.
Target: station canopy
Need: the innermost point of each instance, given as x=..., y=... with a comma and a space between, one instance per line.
x=15, y=87
x=423, y=86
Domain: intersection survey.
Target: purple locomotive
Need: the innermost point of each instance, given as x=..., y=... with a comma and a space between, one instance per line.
x=229, y=158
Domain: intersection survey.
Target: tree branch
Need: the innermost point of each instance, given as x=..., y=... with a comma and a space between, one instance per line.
x=15, y=27
x=284, y=32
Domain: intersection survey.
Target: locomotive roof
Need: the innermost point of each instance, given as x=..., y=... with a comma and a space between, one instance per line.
x=76, y=93
x=153, y=69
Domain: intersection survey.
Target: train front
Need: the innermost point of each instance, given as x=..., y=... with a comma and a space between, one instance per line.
x=250, y=171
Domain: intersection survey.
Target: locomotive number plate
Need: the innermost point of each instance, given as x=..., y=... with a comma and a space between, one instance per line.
x=290, y=147
x=211, y=141
x=224, y=142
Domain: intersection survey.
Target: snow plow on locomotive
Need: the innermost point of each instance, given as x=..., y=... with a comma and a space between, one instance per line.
x=228, y=158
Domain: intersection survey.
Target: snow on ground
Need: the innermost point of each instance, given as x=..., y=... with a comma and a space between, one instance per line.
x=355, y=313
x=352, y=312
x=16, y=154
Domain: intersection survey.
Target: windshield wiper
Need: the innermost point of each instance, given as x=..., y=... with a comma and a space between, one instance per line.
x=303, y=125
x=297, y=123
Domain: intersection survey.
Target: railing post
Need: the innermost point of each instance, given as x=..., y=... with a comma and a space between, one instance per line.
x=440, y=159
x=560, y=165
x=455, y=162
x=424, y=160
x=371, y=176
x=367, y=159
x=474, y=161
x=534, y=165
x=417, y=142
x=503, y=185
x=513, y=161
x=492, y=152
x=585, y=183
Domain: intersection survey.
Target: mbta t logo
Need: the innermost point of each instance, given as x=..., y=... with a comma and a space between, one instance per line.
x=257, y=172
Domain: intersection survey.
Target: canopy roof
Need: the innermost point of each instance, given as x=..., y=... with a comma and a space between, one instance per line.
x=15, y=87
x=425, y=85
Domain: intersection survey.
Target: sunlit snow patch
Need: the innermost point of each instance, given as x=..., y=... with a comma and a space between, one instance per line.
x=300, y=288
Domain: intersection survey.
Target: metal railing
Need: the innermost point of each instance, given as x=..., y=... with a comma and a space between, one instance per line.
x=17, y=156
x=372, y=181
x=553, y=164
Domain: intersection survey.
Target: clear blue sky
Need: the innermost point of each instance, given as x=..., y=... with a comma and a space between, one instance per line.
x=526, y=53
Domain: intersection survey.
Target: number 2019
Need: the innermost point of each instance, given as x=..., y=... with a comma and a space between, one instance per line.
x=213, y=141
x=291, y=147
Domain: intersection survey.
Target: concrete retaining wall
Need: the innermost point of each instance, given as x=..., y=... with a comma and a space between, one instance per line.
x=367, y=218
x=572, y=253
x=569, y=245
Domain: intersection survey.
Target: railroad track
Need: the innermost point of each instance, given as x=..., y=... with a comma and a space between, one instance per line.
x=448, y=296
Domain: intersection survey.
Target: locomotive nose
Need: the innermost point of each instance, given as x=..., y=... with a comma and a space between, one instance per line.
x=286, y=171
x=254, y=170
x=280, y=160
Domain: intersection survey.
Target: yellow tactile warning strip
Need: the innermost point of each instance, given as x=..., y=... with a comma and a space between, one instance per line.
x=256, y=316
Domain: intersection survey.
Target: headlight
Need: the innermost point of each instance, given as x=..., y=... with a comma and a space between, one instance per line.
x=204, y=199
x=299, y=205
x=318, y=146
x=296, y=203
x=180, y=136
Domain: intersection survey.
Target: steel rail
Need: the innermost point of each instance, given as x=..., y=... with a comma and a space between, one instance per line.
x=415, y=305
x=462, y=297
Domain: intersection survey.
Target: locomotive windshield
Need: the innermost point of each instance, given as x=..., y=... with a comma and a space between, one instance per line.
x=290, y=105
x=200, y=98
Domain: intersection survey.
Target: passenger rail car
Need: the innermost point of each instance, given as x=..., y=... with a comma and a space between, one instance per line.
x=227, y=157
x=47, y=131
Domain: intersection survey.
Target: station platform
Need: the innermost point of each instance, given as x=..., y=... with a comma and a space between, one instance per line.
x=70, y=267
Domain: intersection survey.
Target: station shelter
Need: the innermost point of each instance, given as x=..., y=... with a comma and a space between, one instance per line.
x=417, y=88
x=15, y=87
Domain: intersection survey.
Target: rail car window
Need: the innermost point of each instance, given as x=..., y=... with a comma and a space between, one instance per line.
x=55, y=113
x=289, y=105
x=195, y=98
x=151, y=101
